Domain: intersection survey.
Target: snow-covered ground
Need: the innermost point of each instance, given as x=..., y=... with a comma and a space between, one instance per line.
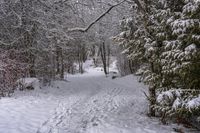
x=88, y=103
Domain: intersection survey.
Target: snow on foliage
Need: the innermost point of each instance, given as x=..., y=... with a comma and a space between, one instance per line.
x=177, y=103
x=178, y=99
x=166, y=40
x=188, y=8
x=168, y=96
x=191, y=48
x=193, y=103
x=187, y=23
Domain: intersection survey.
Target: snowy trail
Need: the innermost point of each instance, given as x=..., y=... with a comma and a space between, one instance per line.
x=89, y=103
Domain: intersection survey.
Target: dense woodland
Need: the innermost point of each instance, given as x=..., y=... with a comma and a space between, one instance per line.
x=157, y=40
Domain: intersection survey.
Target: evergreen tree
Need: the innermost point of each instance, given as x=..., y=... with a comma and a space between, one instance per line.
x=164, y=38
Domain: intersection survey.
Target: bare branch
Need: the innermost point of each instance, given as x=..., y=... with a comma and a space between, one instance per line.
x=96, y=20
x=148, y=98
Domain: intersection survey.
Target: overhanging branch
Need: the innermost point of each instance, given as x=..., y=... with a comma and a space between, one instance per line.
x=96, y=20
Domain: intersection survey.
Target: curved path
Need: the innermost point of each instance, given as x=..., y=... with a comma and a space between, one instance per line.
x=89, y=103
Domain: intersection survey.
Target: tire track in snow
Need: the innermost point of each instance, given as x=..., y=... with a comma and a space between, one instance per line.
x=84, y=113
x=101, y=104
x=93, y=112
x=52, y=124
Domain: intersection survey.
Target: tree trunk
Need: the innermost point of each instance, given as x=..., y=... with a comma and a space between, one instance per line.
x=103, y=57
x=152, y=95
x=108, y=58
x=32, y=67
x=62, y=65
x=53, y=65
x=80, y=59
x=57, y=60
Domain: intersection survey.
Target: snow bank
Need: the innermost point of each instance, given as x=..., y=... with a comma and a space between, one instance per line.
x=28, y=83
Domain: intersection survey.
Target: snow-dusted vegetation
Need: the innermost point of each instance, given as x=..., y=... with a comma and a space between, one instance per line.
x=108, y=66
x=163, y=38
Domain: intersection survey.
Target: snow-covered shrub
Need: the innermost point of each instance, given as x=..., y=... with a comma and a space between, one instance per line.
x=178, y=104
x=28, y=84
